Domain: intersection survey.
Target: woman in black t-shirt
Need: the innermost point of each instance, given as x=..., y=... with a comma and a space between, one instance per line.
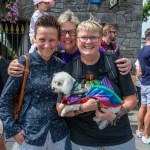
x=84, y=131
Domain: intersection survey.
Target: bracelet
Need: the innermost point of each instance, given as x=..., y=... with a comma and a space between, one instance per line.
x=80, y=108
x=98, y=104
x=75, y=113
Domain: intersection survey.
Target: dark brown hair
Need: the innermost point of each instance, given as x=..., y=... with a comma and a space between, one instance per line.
x=47, y=21
x=147, y=34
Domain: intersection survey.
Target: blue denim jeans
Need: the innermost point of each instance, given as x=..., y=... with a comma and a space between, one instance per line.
x=130, y=145
x=68, y=143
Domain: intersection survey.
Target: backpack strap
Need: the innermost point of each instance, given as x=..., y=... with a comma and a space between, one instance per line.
x=77, y=68
x=111, y=67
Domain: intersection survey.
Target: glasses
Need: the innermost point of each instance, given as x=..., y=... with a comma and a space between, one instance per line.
x=93, y=39
x=112, y=31
x=70, y=32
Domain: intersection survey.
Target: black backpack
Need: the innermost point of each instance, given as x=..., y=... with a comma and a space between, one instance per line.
x=110, y=66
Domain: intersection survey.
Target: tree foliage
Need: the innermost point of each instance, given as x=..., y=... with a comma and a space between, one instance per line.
x=146, y=10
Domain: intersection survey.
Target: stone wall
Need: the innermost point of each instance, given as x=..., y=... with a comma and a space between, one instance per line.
x=127, y=16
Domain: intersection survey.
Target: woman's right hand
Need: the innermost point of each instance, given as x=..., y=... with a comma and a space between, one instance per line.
x=19, y=138
x=90, y=105
x=15, y=69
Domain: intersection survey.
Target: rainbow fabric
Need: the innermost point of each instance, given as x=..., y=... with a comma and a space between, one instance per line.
x=105, y=95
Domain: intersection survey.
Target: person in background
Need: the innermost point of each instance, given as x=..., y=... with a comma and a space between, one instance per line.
x=84, y=132
x=39, y=127
x=108, y=43
x=3, y=79
x=138, y=81
x=109, y=37
x=144, y=111
x=42, y=6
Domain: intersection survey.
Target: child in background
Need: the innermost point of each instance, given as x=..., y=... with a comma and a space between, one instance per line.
x=42, y=6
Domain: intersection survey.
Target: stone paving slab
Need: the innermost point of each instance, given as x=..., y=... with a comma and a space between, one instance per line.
x=11, y=145
x=133, y=122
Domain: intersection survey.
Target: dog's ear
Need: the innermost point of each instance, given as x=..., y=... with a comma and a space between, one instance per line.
x=54, y=74
x=68, y=85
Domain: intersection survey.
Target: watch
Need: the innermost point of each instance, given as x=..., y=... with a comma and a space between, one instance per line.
x=113, y=3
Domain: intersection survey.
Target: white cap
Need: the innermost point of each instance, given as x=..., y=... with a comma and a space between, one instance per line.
x=38, y=1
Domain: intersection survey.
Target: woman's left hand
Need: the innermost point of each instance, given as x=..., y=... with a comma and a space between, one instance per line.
x=124, y=65
x=19, y=138
x=105, y=114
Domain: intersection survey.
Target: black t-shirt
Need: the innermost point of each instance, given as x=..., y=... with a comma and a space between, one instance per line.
x=83, y=130
x=109, y=47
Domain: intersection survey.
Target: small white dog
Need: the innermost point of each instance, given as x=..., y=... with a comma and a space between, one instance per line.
x=62, y=82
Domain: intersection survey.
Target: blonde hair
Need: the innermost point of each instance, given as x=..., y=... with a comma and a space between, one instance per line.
x=90, y=25
x=107, y=28
x=68, y=15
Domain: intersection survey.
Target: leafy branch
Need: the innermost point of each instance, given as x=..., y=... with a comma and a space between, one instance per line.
x=146, y=11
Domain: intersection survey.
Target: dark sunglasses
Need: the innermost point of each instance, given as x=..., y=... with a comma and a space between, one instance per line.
x=112, y=31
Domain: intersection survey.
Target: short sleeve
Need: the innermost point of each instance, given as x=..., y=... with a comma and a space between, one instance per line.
x=137, y=64
x=126, y=85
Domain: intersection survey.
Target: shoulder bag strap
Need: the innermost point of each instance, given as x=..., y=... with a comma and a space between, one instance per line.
x=26, y=71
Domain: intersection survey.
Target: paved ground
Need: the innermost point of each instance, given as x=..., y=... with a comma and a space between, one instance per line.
x=133, y=122
x=11, y=145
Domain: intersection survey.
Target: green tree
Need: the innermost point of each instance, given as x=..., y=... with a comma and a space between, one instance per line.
x=146, y=10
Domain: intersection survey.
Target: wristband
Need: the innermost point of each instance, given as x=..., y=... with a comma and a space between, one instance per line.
x=80, y=108
x=75, y=113
x=98, y=104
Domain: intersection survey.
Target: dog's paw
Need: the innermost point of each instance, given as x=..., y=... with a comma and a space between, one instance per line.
x=103, y=124
x=96, y=119
x=69, y=108
x=61, y=106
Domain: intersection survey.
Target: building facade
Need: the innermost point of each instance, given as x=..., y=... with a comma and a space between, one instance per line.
x=126, y=15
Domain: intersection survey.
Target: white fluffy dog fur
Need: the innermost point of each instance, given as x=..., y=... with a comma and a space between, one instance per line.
x=62, y=82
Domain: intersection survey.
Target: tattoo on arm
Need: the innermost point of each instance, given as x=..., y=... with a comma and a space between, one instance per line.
x=123, y=110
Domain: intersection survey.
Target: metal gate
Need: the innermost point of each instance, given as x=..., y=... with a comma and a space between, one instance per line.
x=14, y=39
